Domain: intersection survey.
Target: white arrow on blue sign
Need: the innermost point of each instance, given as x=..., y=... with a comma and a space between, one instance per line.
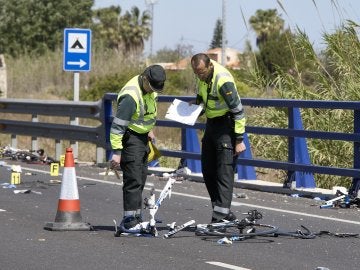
x=77, y=49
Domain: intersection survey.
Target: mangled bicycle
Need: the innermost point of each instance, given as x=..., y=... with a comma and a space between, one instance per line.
x=25, y=155
x=148, y=228
x=227, y=231
x=237, y=230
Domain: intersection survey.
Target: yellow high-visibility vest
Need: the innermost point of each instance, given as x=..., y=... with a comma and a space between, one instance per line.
x=144, y=119
x=215, y=103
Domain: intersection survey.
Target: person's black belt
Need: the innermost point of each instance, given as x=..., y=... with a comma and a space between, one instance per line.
x=219, y=119
x=136, y=134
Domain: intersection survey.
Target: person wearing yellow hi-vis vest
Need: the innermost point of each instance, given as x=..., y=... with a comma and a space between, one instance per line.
x=129, y=135
x=223, y=137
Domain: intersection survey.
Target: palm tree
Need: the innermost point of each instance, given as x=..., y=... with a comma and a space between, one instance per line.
x=265, y=23
x=106, y=26
x=134, y=30
x=127, y=33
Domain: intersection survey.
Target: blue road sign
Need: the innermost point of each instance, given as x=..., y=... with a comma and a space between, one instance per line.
x=77, y=49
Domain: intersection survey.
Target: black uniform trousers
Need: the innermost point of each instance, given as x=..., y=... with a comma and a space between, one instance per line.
x=134, y=164
x=218, y=163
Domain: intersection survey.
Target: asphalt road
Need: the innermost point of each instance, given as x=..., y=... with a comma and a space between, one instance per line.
x=26, y=245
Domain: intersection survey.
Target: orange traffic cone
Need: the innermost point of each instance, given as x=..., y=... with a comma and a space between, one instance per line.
x=68, y=217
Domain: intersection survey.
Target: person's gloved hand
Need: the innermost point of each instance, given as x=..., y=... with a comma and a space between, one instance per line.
x=115, y=162
x=114, y=165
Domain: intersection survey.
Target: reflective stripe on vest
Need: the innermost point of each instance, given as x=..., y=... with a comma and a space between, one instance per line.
x=214, y=92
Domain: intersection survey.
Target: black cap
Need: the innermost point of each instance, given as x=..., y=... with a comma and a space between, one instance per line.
x=156, y=76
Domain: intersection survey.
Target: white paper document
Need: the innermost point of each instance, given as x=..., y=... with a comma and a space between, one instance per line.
x=183, y=112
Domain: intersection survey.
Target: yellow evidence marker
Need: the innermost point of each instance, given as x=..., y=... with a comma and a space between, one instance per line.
x=54, y=169
x=15, y=178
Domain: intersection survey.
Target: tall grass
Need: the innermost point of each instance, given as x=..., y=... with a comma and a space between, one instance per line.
x=336, y=76
x=43, y=77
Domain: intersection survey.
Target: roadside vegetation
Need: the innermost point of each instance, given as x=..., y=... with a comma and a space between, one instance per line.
x=284, y=64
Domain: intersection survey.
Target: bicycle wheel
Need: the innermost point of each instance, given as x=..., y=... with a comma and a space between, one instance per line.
x=235, y=230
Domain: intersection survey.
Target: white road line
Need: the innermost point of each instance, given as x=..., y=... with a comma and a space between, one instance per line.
x=233, y=203
x=242, y=204
x=297, y=213
x=274, y=209
x=228, y=266
x=100, y=181
x=31, y=169
x=2, y=210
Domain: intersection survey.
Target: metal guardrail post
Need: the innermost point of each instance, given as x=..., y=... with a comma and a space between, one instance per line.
x=57, y=149
x=191, y=143
x=99, y=155
x=107, y=105
x=34, y=142
x=246, y=172
x=303, y=179
x=298, y=153
x=13, y=141
x=355, y=186
x=290, y=181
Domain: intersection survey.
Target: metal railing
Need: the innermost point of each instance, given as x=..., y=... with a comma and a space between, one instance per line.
x=57, y=108
x=291, y=133
x=102, y=111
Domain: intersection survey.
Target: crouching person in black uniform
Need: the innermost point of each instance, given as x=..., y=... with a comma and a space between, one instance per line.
x=129, y=135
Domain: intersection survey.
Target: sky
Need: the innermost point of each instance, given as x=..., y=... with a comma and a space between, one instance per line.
x=192, y=22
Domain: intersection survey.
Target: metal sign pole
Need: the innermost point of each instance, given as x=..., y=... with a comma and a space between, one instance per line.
x=77, y=58
x=75, y=120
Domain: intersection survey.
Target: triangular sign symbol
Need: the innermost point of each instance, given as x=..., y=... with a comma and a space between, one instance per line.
x=77, y=45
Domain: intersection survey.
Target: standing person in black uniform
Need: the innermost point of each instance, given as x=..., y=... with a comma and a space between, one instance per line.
x=129, y=135
x=223, y=137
